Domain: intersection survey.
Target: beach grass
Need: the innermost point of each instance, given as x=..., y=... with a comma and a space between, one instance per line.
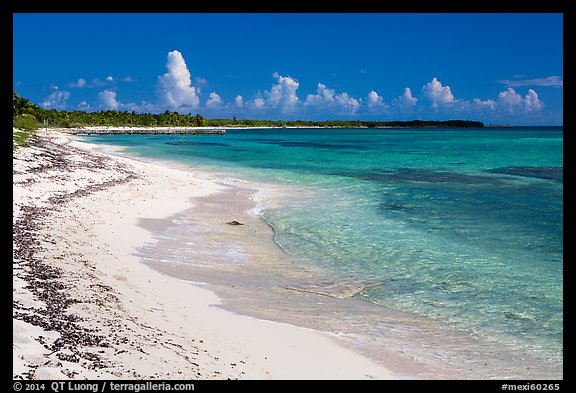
x=21, y=137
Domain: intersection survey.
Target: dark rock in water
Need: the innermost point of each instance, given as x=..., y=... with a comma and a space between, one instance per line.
x=540, y=172
x=234, y=223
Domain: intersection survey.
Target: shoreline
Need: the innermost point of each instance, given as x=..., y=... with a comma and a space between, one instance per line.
x=78, y=215
x=405, y=343
x=408, y=347
x=269, y=284
x=244, y=127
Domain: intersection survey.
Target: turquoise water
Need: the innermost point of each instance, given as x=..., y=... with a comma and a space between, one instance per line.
x=461, y=226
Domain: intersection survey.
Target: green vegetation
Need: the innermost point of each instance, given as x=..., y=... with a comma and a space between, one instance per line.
x=24, y=113
x=29, y=116
x=24, y=118
x=342, y=123
x=77, y=118
x=21, y=138
x=25, y=122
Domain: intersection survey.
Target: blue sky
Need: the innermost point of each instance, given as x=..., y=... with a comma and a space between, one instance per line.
x=496, y=68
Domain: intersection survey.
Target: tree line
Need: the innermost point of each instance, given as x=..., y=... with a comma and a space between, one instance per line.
x=343, y=123
x=29, y=116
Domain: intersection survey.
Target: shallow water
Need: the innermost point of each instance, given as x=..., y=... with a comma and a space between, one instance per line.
x=451, y=239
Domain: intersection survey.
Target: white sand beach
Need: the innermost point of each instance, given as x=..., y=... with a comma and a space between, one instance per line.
x=86, y=308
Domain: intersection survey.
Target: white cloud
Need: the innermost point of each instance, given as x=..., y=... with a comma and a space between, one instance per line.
x=550, y=81
x=374, y=98
x=327, y=99
x=143, y=107
x=83, y=106
x=259, y=103
x=509, y=100
x=438, y=94
x=199, y=82
x=175, y=87
x=214, y=100
x=283, y=94
x=375, y=102
x=78, y=84
x=128, y=79
x=323, y=95
x=348, y=103
x=486, y=104
x=531, y=102
x=81, y=83
x=406, y=100
x=56, y=100
x=108, y=99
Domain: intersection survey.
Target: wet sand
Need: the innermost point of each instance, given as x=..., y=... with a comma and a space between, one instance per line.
x=255, y=277
x=84, y=307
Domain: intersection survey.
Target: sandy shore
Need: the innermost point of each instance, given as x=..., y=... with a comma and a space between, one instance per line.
x=84, y=307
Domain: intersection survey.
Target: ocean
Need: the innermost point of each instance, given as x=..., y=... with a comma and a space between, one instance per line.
x=440, y=246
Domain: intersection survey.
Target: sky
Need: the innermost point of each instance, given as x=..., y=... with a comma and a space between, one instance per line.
x=494, y=68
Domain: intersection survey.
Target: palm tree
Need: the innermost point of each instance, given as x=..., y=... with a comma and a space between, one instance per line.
x=199, y=120
x=21, y=105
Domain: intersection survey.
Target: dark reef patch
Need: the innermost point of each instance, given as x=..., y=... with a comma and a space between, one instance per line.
x=540, y=172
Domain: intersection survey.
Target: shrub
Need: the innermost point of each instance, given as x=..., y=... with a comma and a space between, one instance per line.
x=26, y=122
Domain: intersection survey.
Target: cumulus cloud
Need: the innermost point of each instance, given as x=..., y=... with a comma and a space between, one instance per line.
x=510, y=101
x=375, y=102
x=214, y=100
x=437, y=94
x=107, y=99
x=531, y=102
x=323, y=95
x=259, y=103
x=282, y=95
x=486, y=104
x=58, y=99
x=374, y=99
x=175, y=87
x=550, y=81
x=406, y=100
x=327, y=99
x=348, y=103
x=178, y=90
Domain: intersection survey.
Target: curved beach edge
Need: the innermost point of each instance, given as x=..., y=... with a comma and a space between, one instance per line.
x=85, y=307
